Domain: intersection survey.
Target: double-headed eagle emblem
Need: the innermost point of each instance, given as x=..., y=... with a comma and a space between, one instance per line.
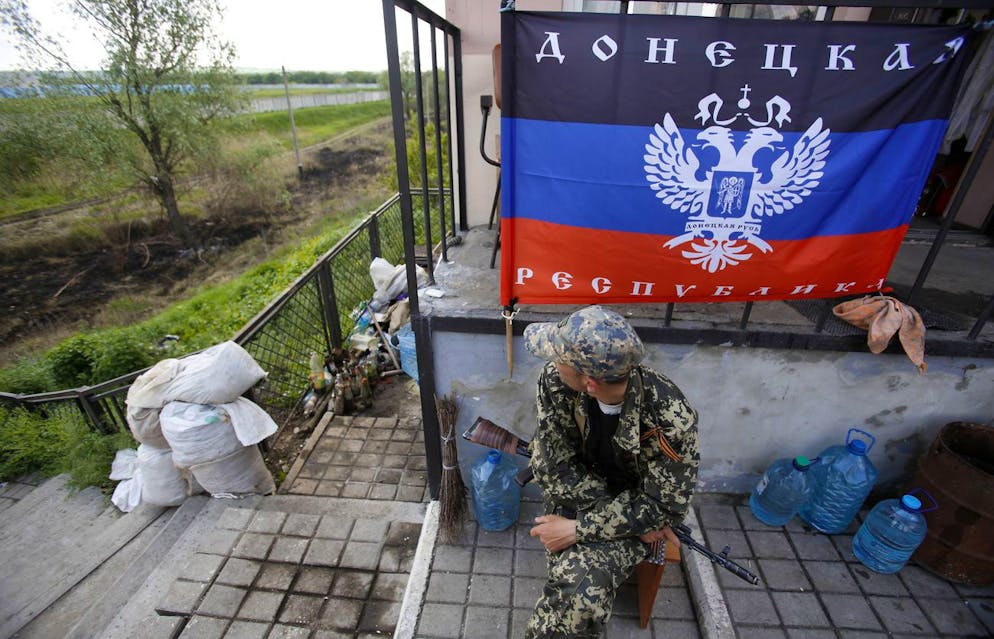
x=729, y=187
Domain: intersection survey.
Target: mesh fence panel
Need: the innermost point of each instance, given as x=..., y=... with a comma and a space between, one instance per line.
x=392, y=234
x=350, y=273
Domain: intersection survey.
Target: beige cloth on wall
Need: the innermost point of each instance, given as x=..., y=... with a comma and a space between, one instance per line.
x=882, y=316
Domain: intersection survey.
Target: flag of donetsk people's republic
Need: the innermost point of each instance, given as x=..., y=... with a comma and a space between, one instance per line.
x=661, y=159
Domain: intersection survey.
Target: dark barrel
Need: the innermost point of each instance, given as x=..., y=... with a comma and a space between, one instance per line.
x=958, y=470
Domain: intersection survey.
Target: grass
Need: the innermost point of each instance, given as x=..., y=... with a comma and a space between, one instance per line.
x=316, y=124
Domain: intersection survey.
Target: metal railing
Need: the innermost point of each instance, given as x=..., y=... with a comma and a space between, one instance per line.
x=314, y=314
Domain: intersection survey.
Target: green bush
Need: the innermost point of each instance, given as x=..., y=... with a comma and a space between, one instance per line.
x=72, y=362
x=30, y=442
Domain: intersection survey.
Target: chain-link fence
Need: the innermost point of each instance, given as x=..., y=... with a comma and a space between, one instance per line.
x=314, y=315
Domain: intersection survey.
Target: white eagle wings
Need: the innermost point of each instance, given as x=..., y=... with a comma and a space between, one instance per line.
x=672, y=168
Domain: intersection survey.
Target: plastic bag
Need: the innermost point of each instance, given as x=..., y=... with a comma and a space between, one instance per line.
x=124, y=469
x=162, y=483
x=144, y=426
x=150, y=388
x=251, y=423
x=124, y=465
x=390, y=281
x=197, y=433
x=240, y=473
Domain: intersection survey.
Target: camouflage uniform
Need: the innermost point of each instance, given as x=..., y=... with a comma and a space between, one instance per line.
x=583, y=579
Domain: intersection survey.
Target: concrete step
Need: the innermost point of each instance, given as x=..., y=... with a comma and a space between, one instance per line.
x=56, y=540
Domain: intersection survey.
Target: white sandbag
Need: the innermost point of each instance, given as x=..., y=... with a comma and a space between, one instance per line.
x=240, y=473
x=144, y=426
x=197, y=433
x=128, y=493
x=251, y=423
x=218, y=375
x=162, y=483
x=124, y=465
x=149, y=389
x=390, y=281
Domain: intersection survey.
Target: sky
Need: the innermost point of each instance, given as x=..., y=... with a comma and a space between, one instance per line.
x=302, y=35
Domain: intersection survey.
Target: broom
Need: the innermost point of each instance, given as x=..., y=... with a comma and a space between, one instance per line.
x=452, y=512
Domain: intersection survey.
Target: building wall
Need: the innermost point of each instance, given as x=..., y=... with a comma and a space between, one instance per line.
x=755, y=405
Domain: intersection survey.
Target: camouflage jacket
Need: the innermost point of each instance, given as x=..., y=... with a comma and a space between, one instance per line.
x=660, y=487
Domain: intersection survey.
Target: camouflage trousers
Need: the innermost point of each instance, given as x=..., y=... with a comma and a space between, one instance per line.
x=579, y=594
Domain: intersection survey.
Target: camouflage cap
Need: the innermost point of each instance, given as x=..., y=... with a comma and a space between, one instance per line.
x=595, y=341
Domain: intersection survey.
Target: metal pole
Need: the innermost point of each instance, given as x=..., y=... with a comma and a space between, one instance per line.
x=438, y=146
x=293, y=125
x=329, y=305
x=745, y=316
x=973, y=167
x=984, y=316
x=419, y=99
x=448, y=126
x=460, y=130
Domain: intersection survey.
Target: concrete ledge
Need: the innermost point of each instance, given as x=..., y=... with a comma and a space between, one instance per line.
x=713, y=619
x=417, y=583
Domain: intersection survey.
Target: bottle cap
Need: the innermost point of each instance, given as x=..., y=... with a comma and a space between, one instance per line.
x=857, y=447
x=912, y=503
x=493, y=457
x=801, y=462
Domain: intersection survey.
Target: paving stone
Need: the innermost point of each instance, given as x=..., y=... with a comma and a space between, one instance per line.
x=221, y=601
x=414, y=494
x=830, y=576
x=275, y=576
x=671, y=603
x=301, y=525
x=447, y=587
x=261, y=606
x=440, y=620
x=729, y=581
x=361, y=555
x=527, y=563
x=673, y=576
x=519, y=622
x=396, y=462
x=329, y=488
x=239, y=572
x=861, y=634
x=923, y=584
x=526, y=591
x=303, y=486
x=352, y=583
x=760, y=632
x=749, y=521
x=487, y=623
x=389, y=476
x=267, y=522
x=800, y=609
x=362, y=474
x=383, y=492
x=783, y=574
x=288, y=549
x=355, y=490
x=341, y=614
x=843, y=543
x=490, y=590
x=873, y=583
x=808, y=633
x=181, y=598
x=416, y=463
x=751, y=606
x=314, y=580
x=302, y=609
x=495, y=561
x=954, y=618
x=718, y=516
x=321, y=458
x=338, y=472
x=379, y=617
x=404, y=533
x=626, y=600
x=219, y=542
x=984, y=609
x=281, y=631
x=902, y=614
x=718, y=539
x=413, y=478
x=324, y=552
x=390, y=586
x=350, y=446
x=396, y=559
x=373, y=446
x=814, y=546
x=501, y=539
x=201, y=567
x=204, y=628
x=234, y=519
x=770, y=544
x=623, y=627
x=671, y=628
x=247, y=630
x=368, y=460
x=982, y=592
x=311, y=470
x=384, y=433
x=850, y=611
x=161, y=627
x=253, y=546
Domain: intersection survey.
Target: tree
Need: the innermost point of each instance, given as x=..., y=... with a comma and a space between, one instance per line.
x=167, y=80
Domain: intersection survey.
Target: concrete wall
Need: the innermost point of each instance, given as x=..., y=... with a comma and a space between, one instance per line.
x=754, y=404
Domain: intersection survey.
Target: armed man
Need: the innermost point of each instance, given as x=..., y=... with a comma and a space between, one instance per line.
x=615, y=453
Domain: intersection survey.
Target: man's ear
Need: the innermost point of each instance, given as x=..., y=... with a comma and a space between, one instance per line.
x=591, y=385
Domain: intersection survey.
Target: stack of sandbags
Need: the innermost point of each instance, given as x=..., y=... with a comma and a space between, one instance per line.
x=190, y=416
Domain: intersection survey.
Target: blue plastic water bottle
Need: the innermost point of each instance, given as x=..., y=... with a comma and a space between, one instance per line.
x=842, y=479
x=782, y=491
x=891, y=533
x=496, y=496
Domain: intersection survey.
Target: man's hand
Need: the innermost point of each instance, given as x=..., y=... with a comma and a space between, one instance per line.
x=556, y=533
x=663, y=534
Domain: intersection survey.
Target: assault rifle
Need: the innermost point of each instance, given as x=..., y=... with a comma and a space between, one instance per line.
x=486, y=433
